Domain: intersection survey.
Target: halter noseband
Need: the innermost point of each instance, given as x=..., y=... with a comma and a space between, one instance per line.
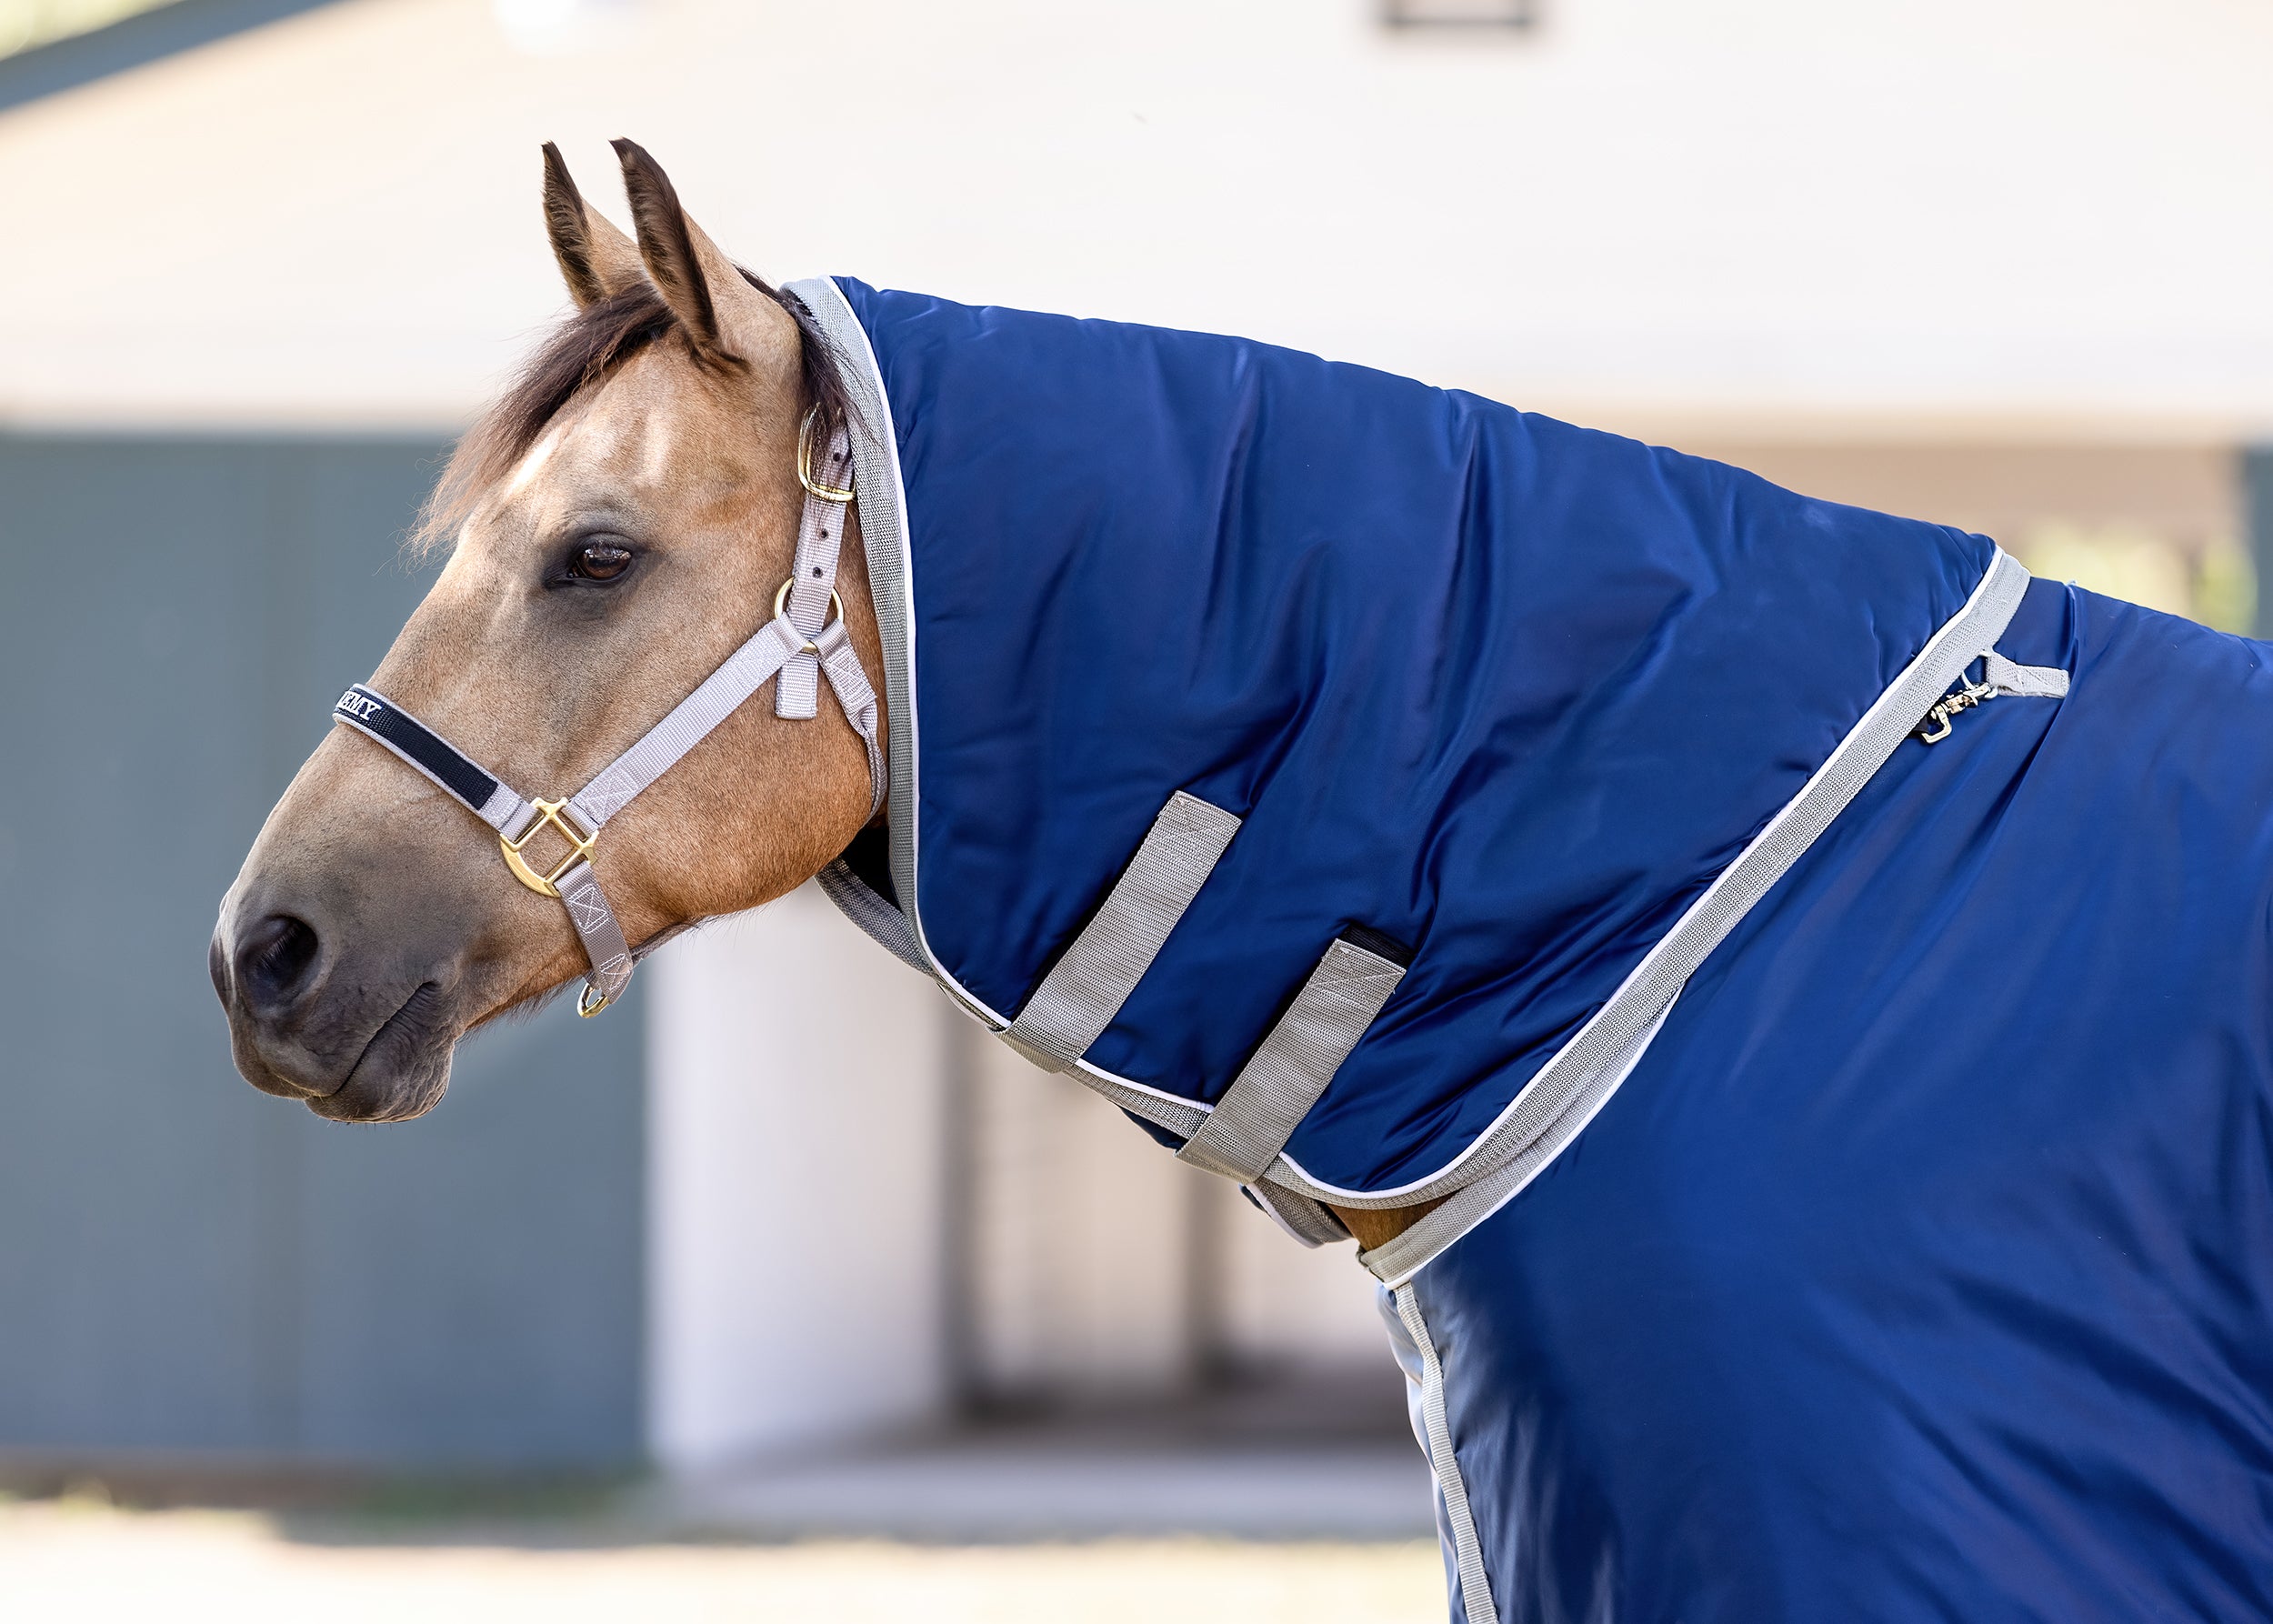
x=798, y=645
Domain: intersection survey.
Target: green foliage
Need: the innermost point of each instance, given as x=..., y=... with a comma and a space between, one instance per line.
x=2213, y=583
x=25, y=23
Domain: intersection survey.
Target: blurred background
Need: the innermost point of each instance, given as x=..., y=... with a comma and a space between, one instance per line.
x=2006, y=263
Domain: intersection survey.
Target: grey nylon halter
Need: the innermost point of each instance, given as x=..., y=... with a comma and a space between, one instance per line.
x=799, y=645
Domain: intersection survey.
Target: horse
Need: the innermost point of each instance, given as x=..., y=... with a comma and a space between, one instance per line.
x=1778, y=996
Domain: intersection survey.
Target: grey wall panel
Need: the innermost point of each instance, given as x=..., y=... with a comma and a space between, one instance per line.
x=186, y=1264
x=472, y=1289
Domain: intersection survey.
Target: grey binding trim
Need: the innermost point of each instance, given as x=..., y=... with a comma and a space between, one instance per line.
x=885, y=925
x=1283, y=1079
x=1085, y=989
x=1476, y=1606
x=1579, y=1079
x=891, y=569
x=1313, y=1225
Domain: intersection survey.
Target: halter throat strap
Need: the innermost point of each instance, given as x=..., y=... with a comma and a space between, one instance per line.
x=800, y=645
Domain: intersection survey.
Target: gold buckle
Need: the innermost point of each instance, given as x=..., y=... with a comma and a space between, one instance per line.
x=580, y=850
x=586, y=1008
x=826, y=493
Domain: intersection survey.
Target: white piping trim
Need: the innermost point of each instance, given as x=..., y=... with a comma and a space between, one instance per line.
x=1467, y=1552
x=903, y=721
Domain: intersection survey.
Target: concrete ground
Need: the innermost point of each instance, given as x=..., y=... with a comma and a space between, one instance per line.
x=1321, y=1458
x=1252, y=1507
x=90, y=1564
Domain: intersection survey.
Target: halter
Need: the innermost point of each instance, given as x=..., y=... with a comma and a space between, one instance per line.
x=798, y=645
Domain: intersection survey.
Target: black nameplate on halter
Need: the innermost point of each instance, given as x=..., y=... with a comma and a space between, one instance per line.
x=407, y=735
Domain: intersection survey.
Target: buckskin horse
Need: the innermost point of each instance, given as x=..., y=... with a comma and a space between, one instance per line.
x=1779, y=997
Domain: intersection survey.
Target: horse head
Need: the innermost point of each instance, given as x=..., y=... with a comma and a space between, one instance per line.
x=617, y=525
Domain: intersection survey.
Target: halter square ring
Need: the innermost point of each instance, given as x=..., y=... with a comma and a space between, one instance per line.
x=580, y=848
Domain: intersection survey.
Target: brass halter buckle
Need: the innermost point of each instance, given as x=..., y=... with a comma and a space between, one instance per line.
x=826, y=493
x=580, y=850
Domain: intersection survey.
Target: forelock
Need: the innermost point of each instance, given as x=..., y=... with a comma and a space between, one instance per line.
x=577, y=358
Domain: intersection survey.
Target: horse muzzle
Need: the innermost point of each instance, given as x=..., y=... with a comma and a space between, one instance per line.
x=358, y=1036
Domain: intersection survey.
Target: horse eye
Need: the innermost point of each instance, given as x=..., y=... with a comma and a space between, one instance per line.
x=599, y=561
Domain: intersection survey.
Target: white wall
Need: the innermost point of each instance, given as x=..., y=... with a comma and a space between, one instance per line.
x=800, y=1247
x=1080, y=1234
x=1101, y=1266
x=1279, y=1303
x=796, y=1190
x=2038, y=212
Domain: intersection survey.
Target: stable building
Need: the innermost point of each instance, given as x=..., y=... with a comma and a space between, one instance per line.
x=1982, y=264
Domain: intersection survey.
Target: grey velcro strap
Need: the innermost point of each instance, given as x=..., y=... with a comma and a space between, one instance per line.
x=1277, y=1087
x=1087, y=987
x=1306, y=1220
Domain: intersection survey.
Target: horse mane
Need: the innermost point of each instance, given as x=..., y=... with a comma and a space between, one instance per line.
x=576, y=357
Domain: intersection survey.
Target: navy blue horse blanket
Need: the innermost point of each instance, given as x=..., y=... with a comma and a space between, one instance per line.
x=1847, y=1158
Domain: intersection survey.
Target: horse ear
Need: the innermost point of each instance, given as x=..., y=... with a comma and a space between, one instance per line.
x=714, y=303
x=595, y=259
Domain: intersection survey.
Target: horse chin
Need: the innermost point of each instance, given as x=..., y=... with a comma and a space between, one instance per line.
x=401, y=1071
x=405, y=1068
x=394, y=1098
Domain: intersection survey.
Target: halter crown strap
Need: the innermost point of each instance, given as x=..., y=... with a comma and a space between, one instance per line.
x=799, y=644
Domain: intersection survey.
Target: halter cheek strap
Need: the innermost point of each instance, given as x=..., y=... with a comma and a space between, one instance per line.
x=800, y=644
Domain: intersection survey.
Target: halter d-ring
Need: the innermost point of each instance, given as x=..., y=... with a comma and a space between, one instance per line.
x=826, y=493
x=781, y=613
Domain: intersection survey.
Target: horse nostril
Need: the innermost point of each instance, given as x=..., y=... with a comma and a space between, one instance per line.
x=274, y=960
